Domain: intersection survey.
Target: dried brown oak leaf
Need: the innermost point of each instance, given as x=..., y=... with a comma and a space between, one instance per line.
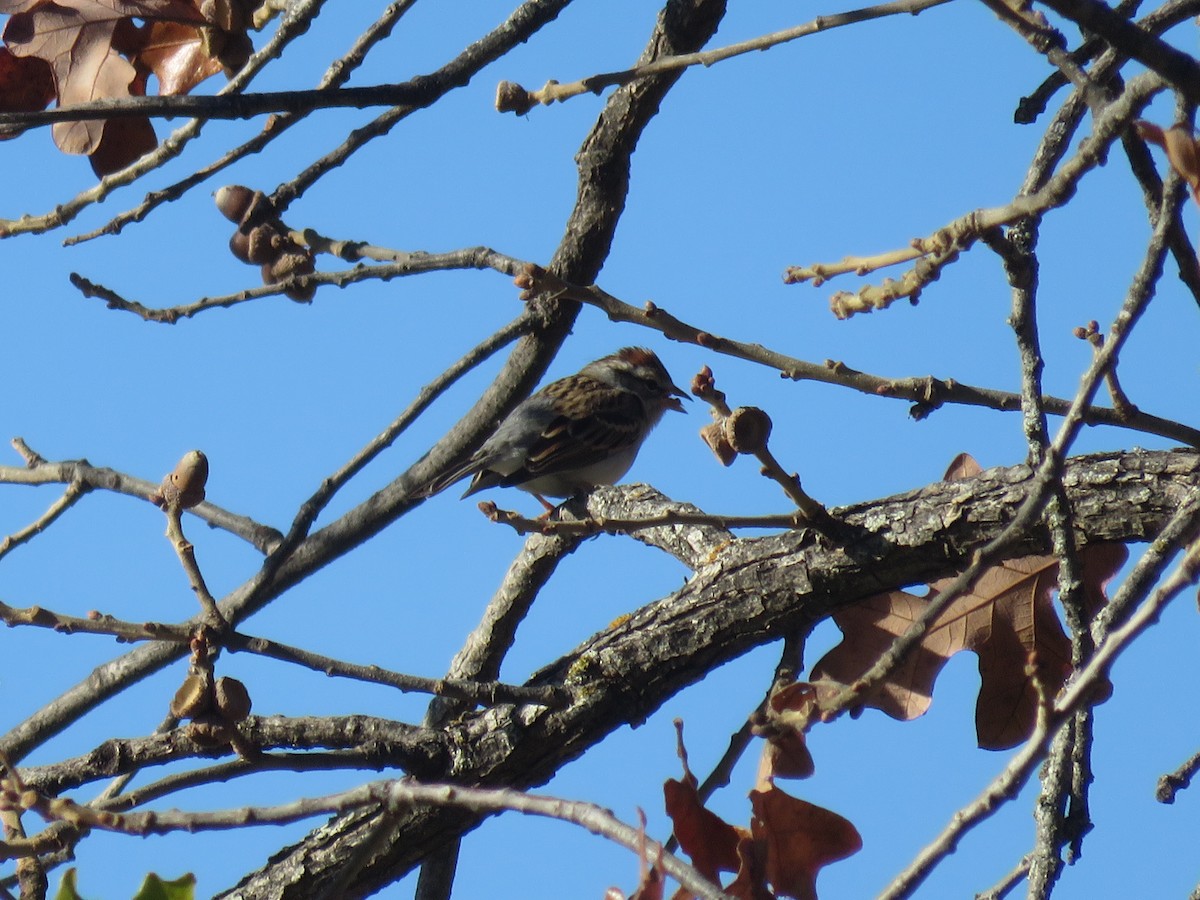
x=788, y=841
x=1181, y=148
x=1006, y=616
x=709, y=840
x=26, y=85
x=800, y=838
x=95, y=51
x=783, y=721
x=123, y=140
x=751, y=881
x=175, y=53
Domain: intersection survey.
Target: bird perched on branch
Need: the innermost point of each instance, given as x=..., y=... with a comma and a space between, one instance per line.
x=576, y=433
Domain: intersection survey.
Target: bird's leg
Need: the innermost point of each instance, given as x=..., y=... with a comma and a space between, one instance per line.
x=546, y=505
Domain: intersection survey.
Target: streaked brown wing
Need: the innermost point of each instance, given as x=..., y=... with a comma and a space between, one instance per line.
x=574, y=443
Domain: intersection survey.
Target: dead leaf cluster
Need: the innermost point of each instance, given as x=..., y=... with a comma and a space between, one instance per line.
x=76, y=51
x=788, y=842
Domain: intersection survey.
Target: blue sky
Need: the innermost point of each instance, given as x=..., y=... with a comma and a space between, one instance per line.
x=849, y=142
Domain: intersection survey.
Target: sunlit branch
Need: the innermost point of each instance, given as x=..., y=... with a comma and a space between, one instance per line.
x=943, y=246
x=747, y=431
x=1034, y=104
x=94, y=623
x=218, y=106
x=31, y=874
x=1008, y=882
x=1120, y=400
x=403, y=264
x=92, y=477
x=1069, y=753
x=927, y=393
x=186, y=552
x=376, y=741
x=389, y=793
x=1174, y=66
x=526, y=20
x=75, y=490
x=1037, y=32
x=513, y=98
x=479, y=354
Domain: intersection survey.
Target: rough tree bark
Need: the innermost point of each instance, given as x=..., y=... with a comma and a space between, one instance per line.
x=743, y=593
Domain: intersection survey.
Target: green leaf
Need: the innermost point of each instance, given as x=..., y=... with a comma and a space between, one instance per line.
x=154, y=888
x=66, y=887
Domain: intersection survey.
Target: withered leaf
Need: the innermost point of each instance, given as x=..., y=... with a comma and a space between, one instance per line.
x=1181, y=149
x=1007, y=616
x=800, y=838
x=870, y=627
x=85, y=65
x=788, y=712
x=123, y=140
x=1024, y=621
x=175, y=53
x=751, y=881
x=650, y=877
x=709, y=840
x=26, y=84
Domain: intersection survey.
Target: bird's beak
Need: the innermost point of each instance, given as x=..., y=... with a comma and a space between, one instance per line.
x=673, y=402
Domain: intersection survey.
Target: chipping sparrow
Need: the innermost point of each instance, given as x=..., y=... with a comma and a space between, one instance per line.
x=575, y=433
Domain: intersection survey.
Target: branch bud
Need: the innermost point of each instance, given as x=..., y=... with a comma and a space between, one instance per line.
x=184, y=486
x=511, y=97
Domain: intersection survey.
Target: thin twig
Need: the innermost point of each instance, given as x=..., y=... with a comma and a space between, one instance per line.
x=785, y=671
x=947, y=242
x=1005, y=885
x=405, y=264
x=262, y=537
x=926, y=393
x=601, y=525
x=487, y=693
x=187, y=557
x=1173, y=782
x=1176, y=67
x=516, y=99
x=94, y=623
x=31, y=874
x=393, y=794
x=519, y=27
x=74, y=492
